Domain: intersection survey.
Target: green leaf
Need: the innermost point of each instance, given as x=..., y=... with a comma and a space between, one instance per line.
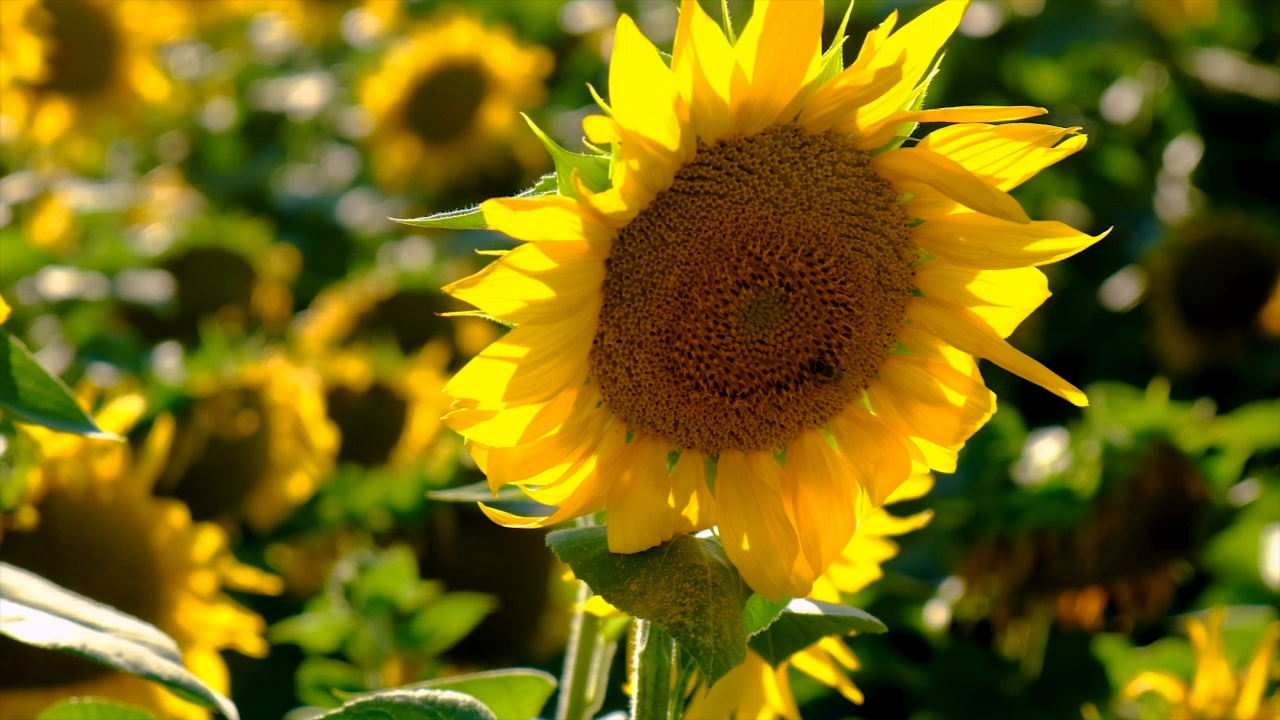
x=478, y=492
x=447, y=619
x=413, y=704
x=833, y=58
x=464, y=219
x=515, y=693
x=593, y=170
x=39, y=613
x=36, y=396
x=760, y=613
x=318, y=632
x=93, y=708
x=686, y=586
x=320, y=681
x=805, y=622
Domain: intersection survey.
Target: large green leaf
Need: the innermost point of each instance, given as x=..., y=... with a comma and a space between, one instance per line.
x=804, y=622
x=686, y=586
x=411, y=704
x=36, y=396
x=93, y=708
x=37, y=612
x=515, y=693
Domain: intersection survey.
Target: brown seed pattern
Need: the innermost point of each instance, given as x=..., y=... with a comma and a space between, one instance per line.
x=757, y=296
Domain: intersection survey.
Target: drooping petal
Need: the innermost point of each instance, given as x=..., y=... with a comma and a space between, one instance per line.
x=758, y=534
x=1003, y=298
x=916, y=165
x=820, y=664
x=639, y=514
x=821, y=488
x=966, y=331
x=780, y=46
x=984, y=242
x=690, y=495
x=1005, y=155
x=877, y=451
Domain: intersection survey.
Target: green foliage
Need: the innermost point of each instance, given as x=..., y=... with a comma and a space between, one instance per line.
x=92, y=708
x=686, y=586
x=40, y=613
x=411, y=705
x=759, y=612
x=517, y=693
x=804, y=622
x=35, y=396
x=592, y=170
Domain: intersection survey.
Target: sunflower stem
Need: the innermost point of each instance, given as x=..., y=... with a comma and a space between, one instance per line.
x=652, y=663
x=586, y=664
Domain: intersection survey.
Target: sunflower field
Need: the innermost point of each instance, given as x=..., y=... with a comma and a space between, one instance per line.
x=640, y=359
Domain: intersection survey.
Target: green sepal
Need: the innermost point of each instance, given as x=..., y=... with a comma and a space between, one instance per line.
x=413, y=704
x=472, y=218
x=833, y=58
x=686, y=586
x=805, y=622
x=479, y=492
x=36, y=396
x=593, y=170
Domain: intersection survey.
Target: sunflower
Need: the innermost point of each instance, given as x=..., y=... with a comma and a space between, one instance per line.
x=1216, y=690
x=770, y=298
x=445, y=98
x=757, y=690
x=256, y=445
x=101, y=533
x=99, y=62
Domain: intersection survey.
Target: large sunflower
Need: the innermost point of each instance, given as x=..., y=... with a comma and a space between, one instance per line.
x=99, y=532
x=772, y=299
x=447, y=96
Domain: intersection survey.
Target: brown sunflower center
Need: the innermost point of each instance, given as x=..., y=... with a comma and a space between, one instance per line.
x=757, y=296
x=85, y=547
x=85, y=49
x=370, y=422
x=443, y=104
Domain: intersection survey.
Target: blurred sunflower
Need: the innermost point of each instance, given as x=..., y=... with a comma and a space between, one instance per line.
x=757, y=690
x=444, y=101
x=256, y=444
x=98, y=63
x=1215, y=291
x=376, y=307
x=768, y=286
x=1216, y=690
x=98, y=531
x=385, y=413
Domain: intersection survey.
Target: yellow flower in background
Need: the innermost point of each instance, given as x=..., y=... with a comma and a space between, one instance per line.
x=101, y=533
x=99, y=64
x=256, y=445
x=1216, y=690
x=771, y=300
x=385, y=414
x=445, y=99
x=755, y=689
x=1171, y=17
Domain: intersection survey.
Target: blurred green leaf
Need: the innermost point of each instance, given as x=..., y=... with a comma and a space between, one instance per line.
x=318, y=632
x=686, y=586
x=36, y=396
x=515, y=693
x=805, y=622
x=411, y=705
x=593, y=170
x=93, y=708
x=390, y=583
x=447, y=619
x=37, y=612
x=319, y=678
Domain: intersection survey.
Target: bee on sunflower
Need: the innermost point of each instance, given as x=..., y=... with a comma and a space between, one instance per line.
x=773, y=302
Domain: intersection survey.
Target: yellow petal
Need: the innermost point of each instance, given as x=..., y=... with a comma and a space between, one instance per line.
x=916, y=487
x=758, y=535
x=532, y=363
x=966, y=114
x=689, y=493
x=820, y=487
x=839, y=99
x=917, y=165
x=819, y=665
x=877, y=451
x=966, y=331
x=1255, y=679
x=931, y=400
x=985, y=242
x=543, y=218
x=642, y=89
x=536, y=282
x=703, y=64
x=4, y=311
x=778, y=48
x=639, y=516
x=1003, y=298
x=1005, y=155
x=1166, y=685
